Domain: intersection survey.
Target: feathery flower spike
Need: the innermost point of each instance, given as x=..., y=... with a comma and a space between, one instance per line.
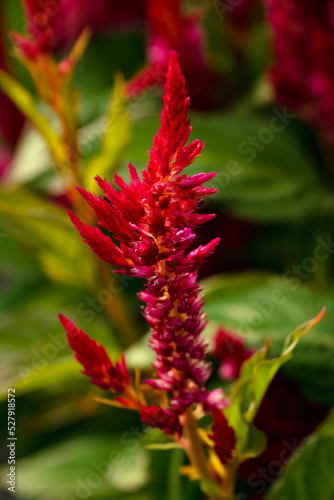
x=95, y=360
x=97, y=365
x=153, y=220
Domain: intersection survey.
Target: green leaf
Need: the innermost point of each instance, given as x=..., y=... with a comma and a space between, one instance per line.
x=175, y=490
x=32, y=341
x=309, y=474
x=46, y=227
x=164, y=446
x=265, y=371
x=248, y=391
x=43, y=374
x=36, y=354
x=25, y=102
x=83, y=465
x=258, y=305
x=116, y=137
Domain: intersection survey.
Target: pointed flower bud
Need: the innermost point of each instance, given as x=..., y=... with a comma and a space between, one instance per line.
x=95, y=361
x=223, y=436
x=230, y=349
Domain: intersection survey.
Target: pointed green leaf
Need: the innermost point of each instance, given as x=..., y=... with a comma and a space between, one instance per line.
x=248, y=391
x=258, y=305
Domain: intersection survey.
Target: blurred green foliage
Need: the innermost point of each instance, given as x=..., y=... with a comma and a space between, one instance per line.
x=309, y=475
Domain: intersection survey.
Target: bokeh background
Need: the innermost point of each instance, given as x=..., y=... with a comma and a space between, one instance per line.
x=260, y=78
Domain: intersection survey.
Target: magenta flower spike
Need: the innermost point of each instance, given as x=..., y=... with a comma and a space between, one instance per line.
x=153, y=220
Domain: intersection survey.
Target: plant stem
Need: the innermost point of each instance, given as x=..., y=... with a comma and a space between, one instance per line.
x=195, y=450
x=198, y=460
x=174, y=483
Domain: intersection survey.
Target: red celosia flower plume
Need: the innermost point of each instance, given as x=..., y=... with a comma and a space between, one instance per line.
x=223, y=436
x=95, y=360
x=153, y=220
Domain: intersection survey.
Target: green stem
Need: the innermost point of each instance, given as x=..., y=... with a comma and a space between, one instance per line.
x=174, y=483
x=195, y=450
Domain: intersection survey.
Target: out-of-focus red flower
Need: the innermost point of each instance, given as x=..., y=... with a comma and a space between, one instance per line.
x=230, y=350
x=33, y=47
x=67, y=18
x=223, y=436
x=303, y=69
x=170, y=29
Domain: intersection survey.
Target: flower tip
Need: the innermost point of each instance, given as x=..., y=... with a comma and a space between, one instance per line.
x=64, y=321
x=74, y=218
x=70, y=329
x=173, y=65
x=81, y=190
x=212, y=245
x=173, y=57
x=67, y=324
